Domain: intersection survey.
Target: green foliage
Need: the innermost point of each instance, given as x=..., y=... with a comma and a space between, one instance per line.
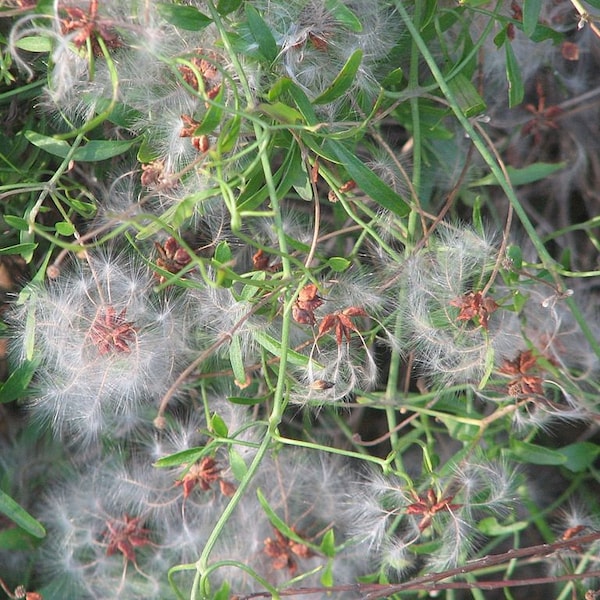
x=279, y=234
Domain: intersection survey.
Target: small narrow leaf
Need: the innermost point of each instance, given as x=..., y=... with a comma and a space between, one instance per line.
x=93, y=151
x=230, y=131
x=328, y=544
x=236, y=360
x=533, y=454
x=218, y=426
x=516, y=89
x=18, y=248
x=224, y=7
x=212, y=117
x=344, y=15
x=280, y=112
x=367, y=181
x=20, y=516
x=184, y=17
x=580, y=455
x=18, y=381
x=468, y=98
x=530, y=174
x=185, y=457
x=237, y=464
x=274, y=347
x=34, y=43
x=343, y=81
x=16, y=222
x=261, y=33
x=531, y=15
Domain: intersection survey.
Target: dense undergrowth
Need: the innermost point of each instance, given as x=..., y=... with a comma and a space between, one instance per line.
x=300, y=299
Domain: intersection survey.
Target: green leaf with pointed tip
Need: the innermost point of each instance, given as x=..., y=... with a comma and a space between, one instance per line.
x=20, y=516
x=16, y=222
x=230, y=132
x=261, y=33
x=218, y=426
x=516, y=89
x=18, y=381
x=274, y=347
x=224, y=7
x=580, y=455
x=343, y=80
x=34, y=43
x=367, y=181
x=184, y=17
x=534, y=454
x=18, y=248
x=490, y=526
x=530, y=174
x=93, y=151
x=531, y=15
x=212, y=117
x=237, y=464
x=185, y=457
x=280, y=112
x=236, y=360
x=328, y=544
x=467, y=97
x=344, y=15
x=338, y=264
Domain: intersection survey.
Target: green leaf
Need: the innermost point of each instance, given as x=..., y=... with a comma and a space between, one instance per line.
x=303, y=104
x=212, y=117
x=516, y=90
x=224, y=7
x=185, y=457
x=467, y=97
x=530, y=174
x=367, y=181
x=93, y=151
x=218, y=426
x=223, y=592
x=515, y=255
x=230, y=131
x=20, y=516
x=238, y=466
x=16, y=222
x=531, y=15
x=280, y=112
x=281, y=86
x=34, y=43
x=237, y=361
x=580, y=456
x=18, y=248
x=223, y=253
x=261, y=33
x=328, y=544
x=490, y=526
x=343, y=80
x=327, y=575
x=279, y=523
x=338, y=264
x=184, y=17
x=343, y=15
x=64, y=228
x=274, y=347
x=18, y=381
x=245, y=401
x=533, y=454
